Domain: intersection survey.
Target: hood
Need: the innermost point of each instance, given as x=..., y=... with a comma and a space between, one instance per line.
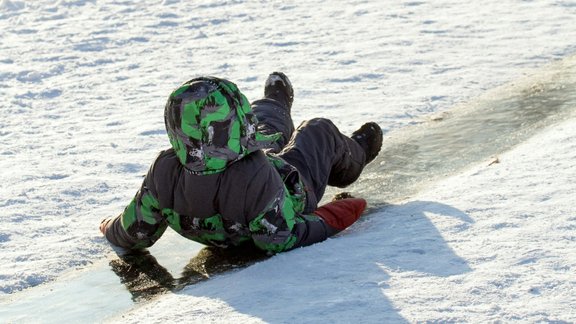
x=210, y=125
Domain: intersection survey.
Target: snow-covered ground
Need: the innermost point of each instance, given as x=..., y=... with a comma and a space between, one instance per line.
x=84, y=82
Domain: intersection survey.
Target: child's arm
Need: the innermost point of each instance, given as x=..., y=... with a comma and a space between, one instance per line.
x=279, y=228
x=139, y=226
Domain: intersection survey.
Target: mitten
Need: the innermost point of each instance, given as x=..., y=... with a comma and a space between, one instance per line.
x=340, y=214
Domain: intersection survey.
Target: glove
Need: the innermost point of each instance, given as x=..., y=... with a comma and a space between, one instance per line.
x=339, y=214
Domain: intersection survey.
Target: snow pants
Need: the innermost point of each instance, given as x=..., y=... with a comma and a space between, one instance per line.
x=321, y=154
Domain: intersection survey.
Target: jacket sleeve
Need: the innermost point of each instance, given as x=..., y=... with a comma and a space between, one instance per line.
x=275, y=221
x=141, y=224
x=280, y=228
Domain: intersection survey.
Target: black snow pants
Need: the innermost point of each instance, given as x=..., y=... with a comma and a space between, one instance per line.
x=321, y=154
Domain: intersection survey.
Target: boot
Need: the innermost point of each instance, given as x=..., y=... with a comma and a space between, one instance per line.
x=279, y=88
x=369, y=136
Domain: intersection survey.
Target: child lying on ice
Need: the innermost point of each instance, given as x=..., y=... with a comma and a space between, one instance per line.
x=240, y=172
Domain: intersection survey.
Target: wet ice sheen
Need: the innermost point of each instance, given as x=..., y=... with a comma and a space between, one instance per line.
x=470, y=133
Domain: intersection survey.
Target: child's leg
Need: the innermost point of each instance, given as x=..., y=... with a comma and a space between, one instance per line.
x=273, y=112
x=274, y=117
x=324, y=156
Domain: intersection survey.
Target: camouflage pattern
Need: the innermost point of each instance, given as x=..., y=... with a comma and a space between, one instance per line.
x=145, y=221
x=210, y=124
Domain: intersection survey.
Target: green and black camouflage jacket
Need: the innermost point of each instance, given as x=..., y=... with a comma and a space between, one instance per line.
x=259, y=198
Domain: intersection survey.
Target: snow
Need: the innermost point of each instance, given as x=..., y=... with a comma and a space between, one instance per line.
x=84, y=83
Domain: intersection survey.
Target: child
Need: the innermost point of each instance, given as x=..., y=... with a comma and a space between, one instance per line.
x=238, y=172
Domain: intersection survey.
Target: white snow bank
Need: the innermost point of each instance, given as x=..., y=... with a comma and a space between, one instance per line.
x=496, y=243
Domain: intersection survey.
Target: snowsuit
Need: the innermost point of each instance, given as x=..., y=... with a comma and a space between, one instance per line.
x=260, y=183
